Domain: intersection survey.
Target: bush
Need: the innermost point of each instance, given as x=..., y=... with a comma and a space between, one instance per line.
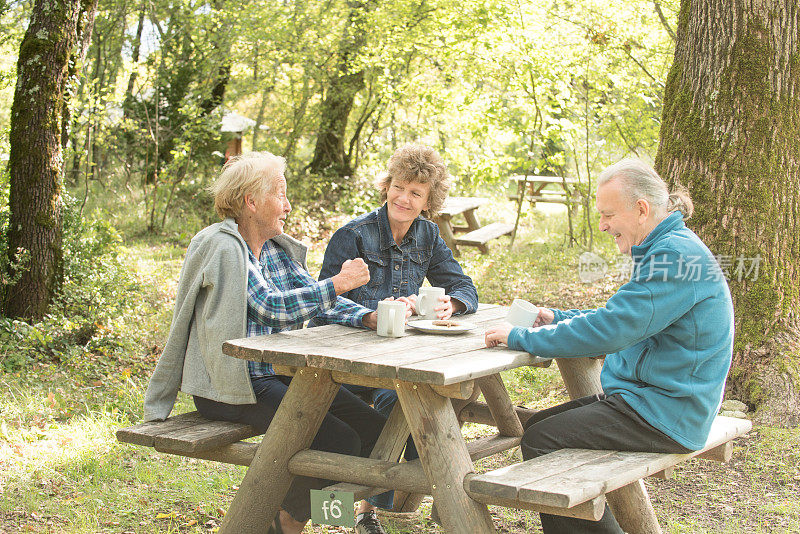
x=93, y=295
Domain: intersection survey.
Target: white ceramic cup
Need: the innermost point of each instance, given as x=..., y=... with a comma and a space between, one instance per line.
x=391, y=318
x=427, y=300
x=522, y=313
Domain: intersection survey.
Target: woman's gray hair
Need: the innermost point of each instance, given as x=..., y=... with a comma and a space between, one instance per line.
x=252, y=173
x=419, y=164
x=640, y=181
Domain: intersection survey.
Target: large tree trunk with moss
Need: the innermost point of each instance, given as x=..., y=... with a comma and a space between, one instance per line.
x=731, y=134
x=36, y=159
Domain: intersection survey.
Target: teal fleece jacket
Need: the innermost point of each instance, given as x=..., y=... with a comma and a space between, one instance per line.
x=667, y=334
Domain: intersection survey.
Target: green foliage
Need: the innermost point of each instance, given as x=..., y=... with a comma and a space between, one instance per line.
x=92, y=298
x=497, y=88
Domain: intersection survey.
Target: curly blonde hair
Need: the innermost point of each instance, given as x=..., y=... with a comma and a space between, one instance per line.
x=420, y=164
x=252, y=173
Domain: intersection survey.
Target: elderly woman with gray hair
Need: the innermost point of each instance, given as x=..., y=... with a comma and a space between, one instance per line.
x=667, y=335
x=244, y=277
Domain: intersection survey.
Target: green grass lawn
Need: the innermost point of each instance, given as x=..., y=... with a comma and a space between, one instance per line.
x=62, y=470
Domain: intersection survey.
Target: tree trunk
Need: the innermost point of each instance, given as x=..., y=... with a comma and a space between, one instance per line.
x=730, y=133
x=329, y=154
x=36, y=160
x=137, y=42
x=330, y=158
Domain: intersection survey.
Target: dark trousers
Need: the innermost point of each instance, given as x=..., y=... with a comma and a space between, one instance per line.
x=350, y=427
x=384, y=400
x=595, y=422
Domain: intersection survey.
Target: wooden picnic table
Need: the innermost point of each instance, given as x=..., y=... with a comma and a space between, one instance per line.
x=475, y=234
x=427, y=371
x=532, y=188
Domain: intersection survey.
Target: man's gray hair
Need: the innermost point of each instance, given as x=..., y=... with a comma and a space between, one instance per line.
x=640, y=181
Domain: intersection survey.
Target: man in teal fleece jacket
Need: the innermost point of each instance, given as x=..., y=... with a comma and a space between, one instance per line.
x=667, y=334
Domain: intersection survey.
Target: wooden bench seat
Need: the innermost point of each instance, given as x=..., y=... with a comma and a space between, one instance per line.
x=571, y=482
x=186, y=434
x=481, y=236
x=568, y=478
x=190, y=434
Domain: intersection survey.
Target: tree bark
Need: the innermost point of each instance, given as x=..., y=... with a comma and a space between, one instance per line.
x=137, y=42
x=330, y=158
x=730, y=134
x=36, y=159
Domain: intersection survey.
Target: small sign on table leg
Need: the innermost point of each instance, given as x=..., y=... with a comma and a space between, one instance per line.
x=333, y=508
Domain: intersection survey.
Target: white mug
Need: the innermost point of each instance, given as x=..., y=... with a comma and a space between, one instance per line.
x=522, y=313
x=391, y=318
x=427, y=300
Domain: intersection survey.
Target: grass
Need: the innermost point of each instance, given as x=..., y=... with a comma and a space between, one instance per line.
x=62, y=470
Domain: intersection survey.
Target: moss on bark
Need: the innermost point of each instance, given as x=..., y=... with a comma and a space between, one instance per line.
x=729, y=133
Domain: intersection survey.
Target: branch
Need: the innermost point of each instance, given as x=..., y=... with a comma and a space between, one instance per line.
x=644, y=69
x=624, y=139
x=663, y=19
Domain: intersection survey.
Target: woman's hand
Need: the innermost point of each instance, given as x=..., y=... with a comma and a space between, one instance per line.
x=370, y=320
x=498, y=334
x=354, y=273
x=448, y=307
x=405, y=300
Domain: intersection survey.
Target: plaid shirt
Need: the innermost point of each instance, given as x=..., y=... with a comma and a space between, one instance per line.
x=281, y=295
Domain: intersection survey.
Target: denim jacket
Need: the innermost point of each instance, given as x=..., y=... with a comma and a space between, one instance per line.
x=397, y=270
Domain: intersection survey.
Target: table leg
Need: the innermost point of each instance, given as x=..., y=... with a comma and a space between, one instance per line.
x=631, y=504
x=409, y=502
x=581, y=376
x=496, y=395
x=389, y=446
x=393, y=437
x=446, y=231
x=293, y=428
x=472, y=220
x=444, y=457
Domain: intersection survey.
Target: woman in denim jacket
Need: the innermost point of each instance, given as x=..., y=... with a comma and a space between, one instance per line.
x=402, y=247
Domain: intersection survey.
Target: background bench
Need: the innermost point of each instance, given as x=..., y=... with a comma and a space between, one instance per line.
x=480, y=237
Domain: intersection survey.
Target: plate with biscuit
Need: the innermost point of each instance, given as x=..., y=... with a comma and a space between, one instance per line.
x=442, y=326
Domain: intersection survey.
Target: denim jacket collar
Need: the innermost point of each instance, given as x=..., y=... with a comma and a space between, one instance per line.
x=385, y=230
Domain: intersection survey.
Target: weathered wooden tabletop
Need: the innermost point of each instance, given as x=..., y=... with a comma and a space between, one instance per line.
x=455, y=205
x=415, y=357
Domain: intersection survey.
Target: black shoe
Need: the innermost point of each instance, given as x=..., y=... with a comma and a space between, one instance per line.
x=369, y=524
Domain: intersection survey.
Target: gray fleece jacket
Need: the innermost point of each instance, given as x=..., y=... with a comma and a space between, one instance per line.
x=210, y=308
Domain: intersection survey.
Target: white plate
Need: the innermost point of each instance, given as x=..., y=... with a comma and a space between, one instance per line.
x=430, y=328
